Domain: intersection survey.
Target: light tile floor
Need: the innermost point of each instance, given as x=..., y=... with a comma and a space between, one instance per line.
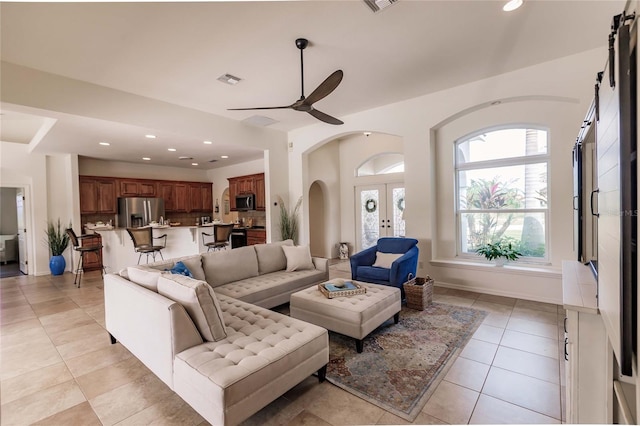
x=57, y=367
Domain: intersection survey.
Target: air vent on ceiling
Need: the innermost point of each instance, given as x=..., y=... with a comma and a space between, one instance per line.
x=185, y=158
x=378, y=5
x=229, y=79
x=259, y=120
x=213, y=161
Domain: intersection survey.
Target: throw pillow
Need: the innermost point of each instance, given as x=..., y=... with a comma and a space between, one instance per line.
x=181, y=269
x=384, y=260
x=146, y=277
x=298, y=258
x=199, y=301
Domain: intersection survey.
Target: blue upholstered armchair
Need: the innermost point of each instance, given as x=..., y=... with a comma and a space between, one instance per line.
x=362, y=268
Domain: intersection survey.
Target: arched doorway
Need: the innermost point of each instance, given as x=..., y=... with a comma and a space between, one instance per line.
x=318, y=243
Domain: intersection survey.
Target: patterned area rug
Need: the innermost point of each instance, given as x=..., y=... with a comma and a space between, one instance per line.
x=402, y=364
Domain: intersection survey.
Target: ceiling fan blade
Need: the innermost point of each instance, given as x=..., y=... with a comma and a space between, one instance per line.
x=247, y=109
x=324, y=117
x=326, y=87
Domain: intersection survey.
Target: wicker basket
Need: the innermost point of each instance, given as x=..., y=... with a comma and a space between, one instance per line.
x=419, y=292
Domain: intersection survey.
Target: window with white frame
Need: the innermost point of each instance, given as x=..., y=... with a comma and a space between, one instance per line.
x=501, y=182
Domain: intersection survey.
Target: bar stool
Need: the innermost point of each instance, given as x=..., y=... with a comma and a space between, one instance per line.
x=94, y=248
x=221, y=236
x=143, y=242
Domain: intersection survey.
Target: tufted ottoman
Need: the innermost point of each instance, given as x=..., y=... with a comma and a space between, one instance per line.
x=354, y=316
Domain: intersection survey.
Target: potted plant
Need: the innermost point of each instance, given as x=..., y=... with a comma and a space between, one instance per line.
x=500, y=251
x=289, y=220
x=57, y=240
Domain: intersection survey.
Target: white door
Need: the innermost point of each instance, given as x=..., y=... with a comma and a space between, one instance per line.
x=379, y=213
x=22, y=232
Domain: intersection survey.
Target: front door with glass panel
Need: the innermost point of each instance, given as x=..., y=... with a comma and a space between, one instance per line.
x=379, y=213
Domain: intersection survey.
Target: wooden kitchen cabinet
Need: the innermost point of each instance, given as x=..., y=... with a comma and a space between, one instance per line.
x=233, y=191
x=137, y=188
x=201, y=197
x=250, y=184
x=245, y=185
x=256, y=236
x=167, y=191
x=97, y=195
x=181, y=200
x=261, y=203
x=195, y=197
x=91, y=260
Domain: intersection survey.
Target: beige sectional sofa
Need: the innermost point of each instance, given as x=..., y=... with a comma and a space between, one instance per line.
x=210, y=338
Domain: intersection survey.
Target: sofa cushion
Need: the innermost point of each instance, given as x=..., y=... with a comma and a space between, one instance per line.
x=225, y=266
x=147, y=275
x=264, y=287
x=271, y=257
x=200, y=302
x=298, y=258
x=384, y=260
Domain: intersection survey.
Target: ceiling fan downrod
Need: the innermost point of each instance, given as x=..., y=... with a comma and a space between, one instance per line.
x=302, y=43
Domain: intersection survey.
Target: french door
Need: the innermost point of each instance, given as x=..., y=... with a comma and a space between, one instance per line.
x=379, y=213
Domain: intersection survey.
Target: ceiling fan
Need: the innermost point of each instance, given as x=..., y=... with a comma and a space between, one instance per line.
x=306, y=104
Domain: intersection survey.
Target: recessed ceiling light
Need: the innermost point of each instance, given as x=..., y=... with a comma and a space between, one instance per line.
x=105, y=143
x=146, y=158
x=229, y=79
x=150, y=136
x=207, y=142
x=171, y=149
x=367, y=134
x=512, y=5
x=224, y=156
x=194, y=164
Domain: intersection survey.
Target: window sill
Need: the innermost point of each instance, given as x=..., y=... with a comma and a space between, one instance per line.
x=545, y=271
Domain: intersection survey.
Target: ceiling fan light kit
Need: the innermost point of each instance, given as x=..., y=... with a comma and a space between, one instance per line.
x=305, y=104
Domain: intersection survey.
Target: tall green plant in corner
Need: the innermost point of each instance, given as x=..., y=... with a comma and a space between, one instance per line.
x=58, y=241
x=289, y=220
x=57, y=238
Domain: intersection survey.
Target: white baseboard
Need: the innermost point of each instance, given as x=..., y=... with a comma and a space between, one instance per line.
x=486, y=290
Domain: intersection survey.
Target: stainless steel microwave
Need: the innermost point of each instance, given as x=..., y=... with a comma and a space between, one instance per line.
x=245, y=202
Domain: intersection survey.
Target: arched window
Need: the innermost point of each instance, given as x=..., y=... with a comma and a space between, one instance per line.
x=382, y=164
x=501, y=181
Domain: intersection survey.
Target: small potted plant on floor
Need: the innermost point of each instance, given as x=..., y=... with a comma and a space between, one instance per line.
x=57, y=240
x=500, y=251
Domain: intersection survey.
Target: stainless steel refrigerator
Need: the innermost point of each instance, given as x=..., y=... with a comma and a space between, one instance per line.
x=136, y=212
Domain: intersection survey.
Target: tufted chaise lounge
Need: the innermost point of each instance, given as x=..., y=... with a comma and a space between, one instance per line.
x=263, y=355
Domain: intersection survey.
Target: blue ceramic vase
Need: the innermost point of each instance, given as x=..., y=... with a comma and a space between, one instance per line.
x=57, y=265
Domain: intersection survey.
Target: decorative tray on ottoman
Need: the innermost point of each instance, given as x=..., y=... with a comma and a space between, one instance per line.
x=340, y=288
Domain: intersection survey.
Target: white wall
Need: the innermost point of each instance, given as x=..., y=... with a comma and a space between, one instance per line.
x=95, y=167
x=568, y=80
x=62, y=196
x=19, y=168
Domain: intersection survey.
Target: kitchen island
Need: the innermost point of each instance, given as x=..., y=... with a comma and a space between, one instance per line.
x=118, y=251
